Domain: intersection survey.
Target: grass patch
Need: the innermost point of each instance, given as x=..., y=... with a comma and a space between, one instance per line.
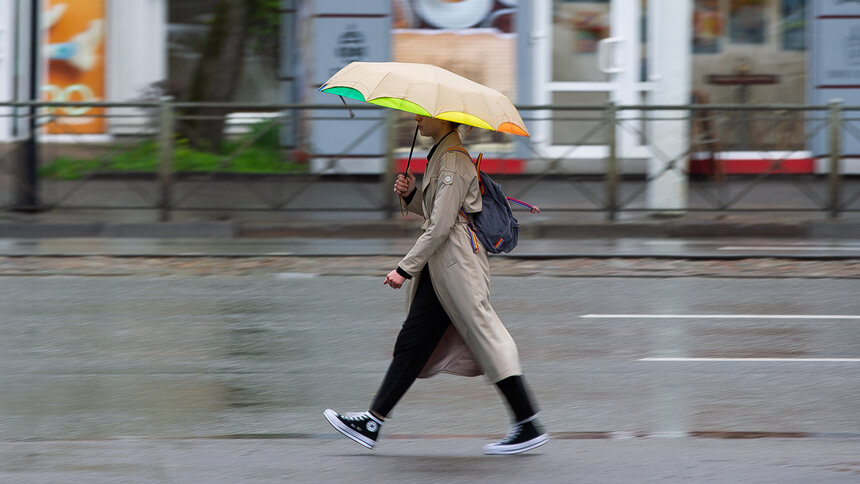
x=264, y=156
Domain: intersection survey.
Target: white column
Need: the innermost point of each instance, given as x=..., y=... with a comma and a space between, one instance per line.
x=625, y=17
x=540, y=37
x=136, y=55
x=669, y=58
x=7, y=65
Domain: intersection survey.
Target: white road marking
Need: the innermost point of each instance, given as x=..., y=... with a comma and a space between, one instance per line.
x=789, y=247
x=295, y=275
x=720, y=316
x=792, y=360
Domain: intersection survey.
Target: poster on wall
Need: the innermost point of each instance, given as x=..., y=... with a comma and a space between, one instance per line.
x=747, y=21
x=473, y=38
x=74, y=49
x=707, y=27
x=794, y=24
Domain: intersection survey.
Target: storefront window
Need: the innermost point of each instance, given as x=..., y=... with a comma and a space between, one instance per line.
x=707, y=27
x=793, y=24
x=475, y=39
x=577, y=27
x=747, y=21
x=763, y=38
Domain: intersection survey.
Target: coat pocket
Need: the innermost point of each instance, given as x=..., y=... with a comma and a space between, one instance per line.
x=451, y=248
x=450, y=257
x=430, y=183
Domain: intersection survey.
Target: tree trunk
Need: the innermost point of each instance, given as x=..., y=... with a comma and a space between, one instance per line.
x=218, y=73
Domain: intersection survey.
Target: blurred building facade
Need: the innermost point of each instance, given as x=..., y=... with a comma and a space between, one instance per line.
x=537, y=52
x=91, y=51
x=564, y=52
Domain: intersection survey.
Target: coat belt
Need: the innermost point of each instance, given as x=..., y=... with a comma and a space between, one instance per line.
x=460, y=221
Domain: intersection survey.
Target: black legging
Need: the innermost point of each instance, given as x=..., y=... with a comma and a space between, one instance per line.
x=424, y=327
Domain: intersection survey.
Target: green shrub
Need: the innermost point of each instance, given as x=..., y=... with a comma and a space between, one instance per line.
x=263, y=156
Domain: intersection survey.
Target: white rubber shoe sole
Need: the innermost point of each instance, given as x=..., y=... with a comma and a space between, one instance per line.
x=496, y=449
x=335, y=422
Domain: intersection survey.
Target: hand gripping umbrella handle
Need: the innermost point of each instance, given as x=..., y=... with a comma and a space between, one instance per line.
x=403, y=210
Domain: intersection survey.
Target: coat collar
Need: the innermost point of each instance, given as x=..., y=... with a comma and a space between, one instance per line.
x=449, y=141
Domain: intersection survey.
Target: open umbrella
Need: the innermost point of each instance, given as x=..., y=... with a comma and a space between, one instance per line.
x=430, y=91
x=427, y=90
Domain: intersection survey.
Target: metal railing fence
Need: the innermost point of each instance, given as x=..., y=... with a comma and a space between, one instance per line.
x=150, y=160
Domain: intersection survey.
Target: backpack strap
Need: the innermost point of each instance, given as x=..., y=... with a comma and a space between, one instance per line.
x=531, y=208
x=478, y=169
x=470, y=230
x=476, y=163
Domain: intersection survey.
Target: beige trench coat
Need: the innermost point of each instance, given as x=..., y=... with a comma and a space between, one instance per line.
x=477, y=341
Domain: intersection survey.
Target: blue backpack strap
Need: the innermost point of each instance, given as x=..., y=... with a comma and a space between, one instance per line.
x=478, y=169
x=470, y=230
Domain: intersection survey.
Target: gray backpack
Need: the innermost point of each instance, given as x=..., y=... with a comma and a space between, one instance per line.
x=495, y=226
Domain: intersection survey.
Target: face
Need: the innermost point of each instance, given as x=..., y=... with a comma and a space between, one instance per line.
x=432, y=127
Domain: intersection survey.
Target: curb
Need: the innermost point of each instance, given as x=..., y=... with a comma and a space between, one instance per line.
x=157, y=230
x=409, y=228
x=794, y=230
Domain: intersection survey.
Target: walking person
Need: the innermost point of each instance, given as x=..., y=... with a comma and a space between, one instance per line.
x=451, y=325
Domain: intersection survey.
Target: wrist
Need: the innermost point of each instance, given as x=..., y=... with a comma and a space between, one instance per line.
x=403, y=273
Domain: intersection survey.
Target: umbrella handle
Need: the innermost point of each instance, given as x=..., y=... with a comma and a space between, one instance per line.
x=351, y=114
x=408, y=161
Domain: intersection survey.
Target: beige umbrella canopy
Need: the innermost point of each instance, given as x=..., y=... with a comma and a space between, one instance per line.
x=427, y=90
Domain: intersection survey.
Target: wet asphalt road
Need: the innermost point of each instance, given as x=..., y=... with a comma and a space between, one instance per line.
x=529, y=248
x=189, y=365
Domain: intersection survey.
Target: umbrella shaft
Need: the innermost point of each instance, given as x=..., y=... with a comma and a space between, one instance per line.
x=411, y=148
x=351, y=114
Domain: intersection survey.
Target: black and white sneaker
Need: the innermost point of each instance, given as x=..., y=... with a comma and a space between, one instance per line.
x=361, y=427
x=522, y=437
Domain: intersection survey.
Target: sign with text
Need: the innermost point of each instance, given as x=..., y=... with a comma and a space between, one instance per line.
x=834, y=67
x=839, y=67
x=349, y=39
x=346, y=31
x=835, y=7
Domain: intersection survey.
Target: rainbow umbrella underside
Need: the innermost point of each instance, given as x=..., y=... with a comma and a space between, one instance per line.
x=411, y=107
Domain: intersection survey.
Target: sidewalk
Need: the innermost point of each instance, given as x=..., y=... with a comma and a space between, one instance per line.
x=243, y=213
x=544, y=226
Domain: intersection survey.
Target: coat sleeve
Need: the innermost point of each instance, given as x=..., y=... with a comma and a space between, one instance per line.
x=449, y=197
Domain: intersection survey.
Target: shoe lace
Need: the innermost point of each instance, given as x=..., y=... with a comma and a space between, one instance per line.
x=512, y=434
x=355, y=416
